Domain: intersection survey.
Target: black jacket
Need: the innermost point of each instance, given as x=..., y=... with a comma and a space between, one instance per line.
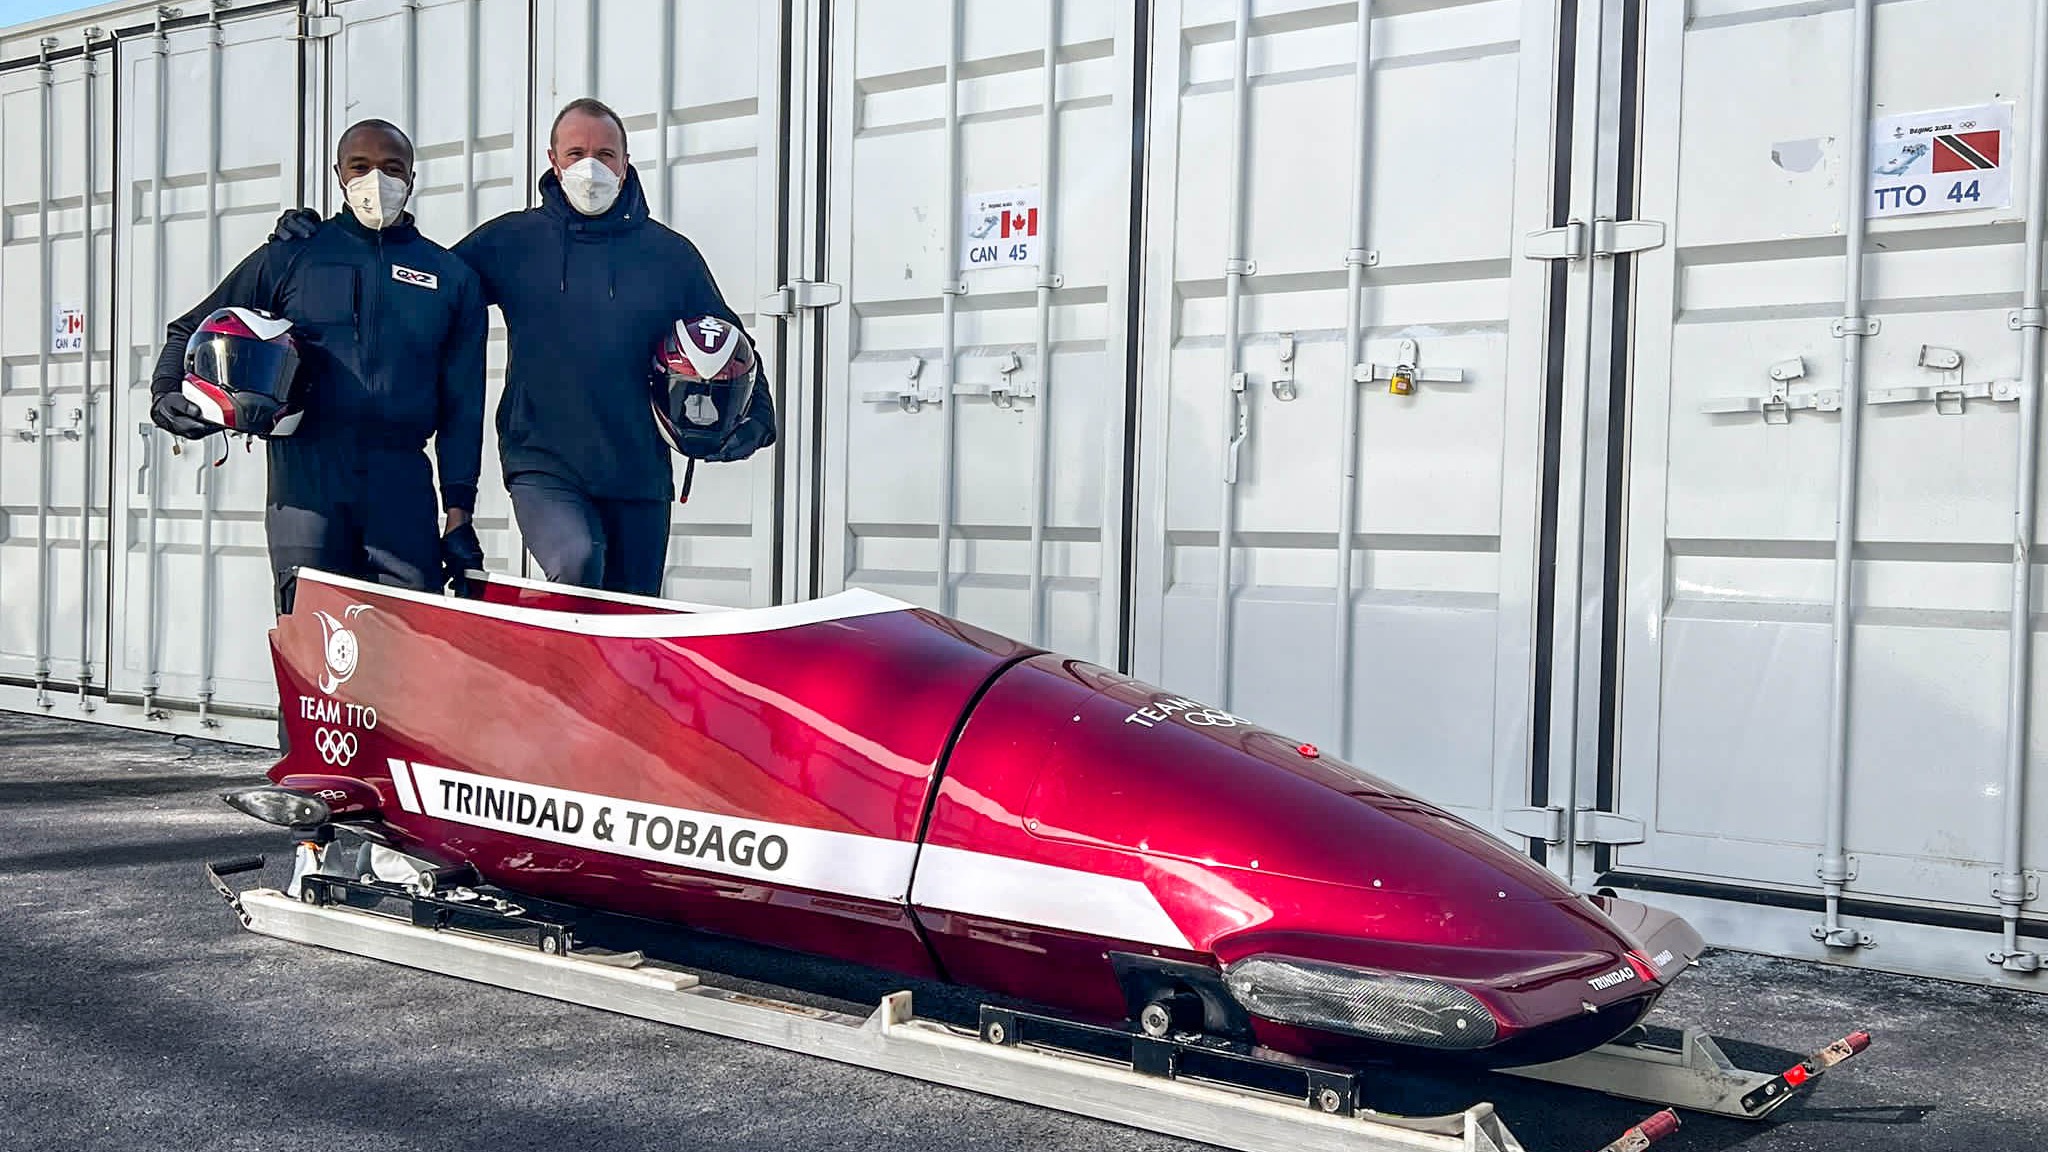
x=388, y=361
x=586, y=300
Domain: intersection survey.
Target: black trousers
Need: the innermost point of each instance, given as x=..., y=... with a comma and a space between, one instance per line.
x=616, y=545
x=371, y=513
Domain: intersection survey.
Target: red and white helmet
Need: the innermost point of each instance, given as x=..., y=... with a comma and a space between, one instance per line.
x=241, y=366
x=703, y=384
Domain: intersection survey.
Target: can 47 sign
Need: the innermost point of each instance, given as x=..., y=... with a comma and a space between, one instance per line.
x=67, y=329
x=1949, y=160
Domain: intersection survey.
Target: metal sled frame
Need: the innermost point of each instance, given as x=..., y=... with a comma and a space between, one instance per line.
x=1148, y=1091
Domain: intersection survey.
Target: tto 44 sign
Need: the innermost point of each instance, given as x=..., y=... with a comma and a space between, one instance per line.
x=1950, y=160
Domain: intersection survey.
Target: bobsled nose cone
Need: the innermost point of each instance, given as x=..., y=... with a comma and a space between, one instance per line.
x=1659, y=938
x=282, y=806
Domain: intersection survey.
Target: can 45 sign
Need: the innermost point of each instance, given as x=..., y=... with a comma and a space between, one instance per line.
x=1950, y=160
x=1000, y=229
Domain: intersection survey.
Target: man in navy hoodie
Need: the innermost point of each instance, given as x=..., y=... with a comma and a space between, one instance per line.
x=589, y=283
x=390, y=329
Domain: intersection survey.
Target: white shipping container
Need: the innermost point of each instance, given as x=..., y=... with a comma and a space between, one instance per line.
x=1267, y=388
x=1466, y=387
x=56, y=270
x=972, y=450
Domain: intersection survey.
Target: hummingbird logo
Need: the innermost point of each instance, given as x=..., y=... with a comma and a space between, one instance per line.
x=339, y=645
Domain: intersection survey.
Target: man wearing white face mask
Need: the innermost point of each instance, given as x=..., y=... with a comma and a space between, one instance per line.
x=589, y=284
x=390, y=332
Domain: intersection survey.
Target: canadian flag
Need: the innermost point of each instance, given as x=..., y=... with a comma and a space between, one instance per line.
x=1020, y=223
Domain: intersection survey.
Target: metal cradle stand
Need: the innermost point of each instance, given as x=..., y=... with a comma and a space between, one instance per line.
x=1178, y=1087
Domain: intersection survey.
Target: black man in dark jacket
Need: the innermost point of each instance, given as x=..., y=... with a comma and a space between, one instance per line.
x=390, y=329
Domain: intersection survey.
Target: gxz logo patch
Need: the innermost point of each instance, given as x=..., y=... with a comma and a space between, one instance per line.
x=404, y=275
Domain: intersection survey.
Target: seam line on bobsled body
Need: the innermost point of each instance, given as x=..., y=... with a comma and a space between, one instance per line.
x=1041, y=896
x=936, y=781
x=943, y=879
x=682, y=624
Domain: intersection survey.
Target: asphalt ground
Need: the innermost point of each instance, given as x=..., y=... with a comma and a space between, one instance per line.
x=136, y=1014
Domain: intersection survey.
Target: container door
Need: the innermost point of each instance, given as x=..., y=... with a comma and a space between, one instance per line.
x=1419, y=667
x=453, y=75
x=1735, y=447
x=209, y=155
x=699, y=84
x=56, y=270
x=972, y=452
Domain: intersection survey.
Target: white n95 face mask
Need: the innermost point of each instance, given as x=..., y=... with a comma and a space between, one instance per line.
x=590, y=187
x=377, y=198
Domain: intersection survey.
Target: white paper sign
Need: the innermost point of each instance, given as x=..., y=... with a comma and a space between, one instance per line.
x=1948, y=160
x=999, y=229
x=67, y=330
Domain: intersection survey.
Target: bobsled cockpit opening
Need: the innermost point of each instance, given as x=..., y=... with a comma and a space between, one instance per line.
x=507, y=600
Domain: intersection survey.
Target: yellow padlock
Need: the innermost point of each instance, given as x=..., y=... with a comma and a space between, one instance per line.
x=1401, y=382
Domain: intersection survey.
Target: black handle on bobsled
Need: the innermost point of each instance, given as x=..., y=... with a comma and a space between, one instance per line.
x=222, y=868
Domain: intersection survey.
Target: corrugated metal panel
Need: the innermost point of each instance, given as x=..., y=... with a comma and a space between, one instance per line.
x=1445, y=481
x=1725, y=733
x=698, y=84
x=194, y=585
x=56, y=126
x=935, y=396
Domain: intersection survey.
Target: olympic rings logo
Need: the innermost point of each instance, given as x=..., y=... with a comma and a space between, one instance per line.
x=1212, y=718
x=336, y=747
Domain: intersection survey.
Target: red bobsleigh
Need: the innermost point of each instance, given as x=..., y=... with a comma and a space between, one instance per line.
x=862, y=779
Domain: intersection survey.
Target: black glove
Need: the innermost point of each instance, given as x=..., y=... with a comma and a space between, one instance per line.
x=180, y=417
x=296, y=224
x=461, y=551
x=750, y=437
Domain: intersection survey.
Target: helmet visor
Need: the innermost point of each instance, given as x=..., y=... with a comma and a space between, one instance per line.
x=705, y=412
x=240, y=364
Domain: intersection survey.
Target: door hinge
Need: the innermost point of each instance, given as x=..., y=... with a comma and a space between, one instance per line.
x=1545, y=824
x=1589, y=826
x=1608, y=828
x=786, y=300
x=317, y=28
x=1575, y=239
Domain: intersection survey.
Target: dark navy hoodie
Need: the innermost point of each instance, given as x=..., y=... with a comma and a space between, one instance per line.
x=586, y=300
x=390, y=329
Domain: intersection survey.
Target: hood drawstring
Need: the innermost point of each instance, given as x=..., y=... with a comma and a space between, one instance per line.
x=611, y=274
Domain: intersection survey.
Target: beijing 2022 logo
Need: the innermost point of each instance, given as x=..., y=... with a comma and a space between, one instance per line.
x=340, y=648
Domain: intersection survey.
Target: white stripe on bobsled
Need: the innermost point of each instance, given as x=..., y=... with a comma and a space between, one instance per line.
x=843, y=863
x=684, y=621
x=1029, y=893
x=401, y=783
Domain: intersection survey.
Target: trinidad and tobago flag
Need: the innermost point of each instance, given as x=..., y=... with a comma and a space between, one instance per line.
x=1965, y=151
